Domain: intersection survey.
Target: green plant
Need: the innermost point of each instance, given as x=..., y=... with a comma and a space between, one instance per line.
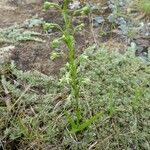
x=17, y=124
x=118, y=86
x=17, y=33
x=143, y=5
x=54, y=55
x=68, y=38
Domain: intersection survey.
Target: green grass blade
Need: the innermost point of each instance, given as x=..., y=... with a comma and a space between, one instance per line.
x=71, y=121
x=86, y=123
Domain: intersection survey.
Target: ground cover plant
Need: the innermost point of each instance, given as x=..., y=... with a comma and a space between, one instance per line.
x=121, y=91
x=99, y=100
x=144, y=5
x=18, y=33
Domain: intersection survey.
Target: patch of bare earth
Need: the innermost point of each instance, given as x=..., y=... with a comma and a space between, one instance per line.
x=36, y=56
x=11, y=13
x=31, y=55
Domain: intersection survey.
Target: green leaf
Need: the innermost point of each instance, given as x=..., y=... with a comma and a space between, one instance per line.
x=86, y=123
x=56, y=42
x=70, y=41
x=85, y=10
x=54, y=55
x=71, y=121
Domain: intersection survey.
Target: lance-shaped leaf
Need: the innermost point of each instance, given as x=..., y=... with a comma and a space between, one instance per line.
x=71, y=121
x=86, y=123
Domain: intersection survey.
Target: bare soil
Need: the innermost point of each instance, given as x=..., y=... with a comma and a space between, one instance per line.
x=33, y=55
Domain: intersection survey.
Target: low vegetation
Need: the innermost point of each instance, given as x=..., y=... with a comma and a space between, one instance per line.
x=98, y=101
x=144, y=5
x=115, y=84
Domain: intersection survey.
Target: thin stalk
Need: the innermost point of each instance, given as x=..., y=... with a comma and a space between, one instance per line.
x=74, y=80
x=65, y=13
x=69, y=39
x=73, y=71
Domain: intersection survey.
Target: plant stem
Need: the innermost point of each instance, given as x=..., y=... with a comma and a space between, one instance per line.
x=74, y=75
x=69, y=40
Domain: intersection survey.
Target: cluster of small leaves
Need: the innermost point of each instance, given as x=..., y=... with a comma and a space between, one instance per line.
x=69, y=16
x=36, y=84
x=33, y=78
x=112, y=83
x=16, y=33
x=143, y=5
x=31, y=95
x=118, y=85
